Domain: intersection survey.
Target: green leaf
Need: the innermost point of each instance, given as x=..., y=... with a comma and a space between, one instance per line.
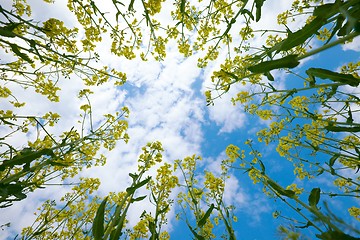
x=348, y=79
x=314, y=197
x=258, y=5
x=7, y=31
x=289, y=61
x=26, y=156
x=134, y=176
x=357, y=27
x=325, y=10
x=344, y=30
x=330, y=235
x=333, y=159
x=308, y=224
x=93, y=7
x=138, y=199
x=269, y=76
x=131, y=5
x=262, y=167
x=131, y=190
x=245, y=11
x=20, y=195
x=15, y=49
x=280, y=190
x=202, y=221
x=117, y=232
x=12, y=189
x=350, y=118
x=338, y=25
x=197, y=236
x=98, y=224
x=299, y=37
x=182, y=6
x=342, y=129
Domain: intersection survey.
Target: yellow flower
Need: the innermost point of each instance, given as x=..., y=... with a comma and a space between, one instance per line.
x=299, y=103
x=264, y=114
x=355, y=212
x=294, y=187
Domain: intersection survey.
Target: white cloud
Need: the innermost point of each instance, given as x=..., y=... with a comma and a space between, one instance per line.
x=353, y=45
x=234, y=194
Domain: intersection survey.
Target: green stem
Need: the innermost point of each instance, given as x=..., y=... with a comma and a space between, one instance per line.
x=330, y=45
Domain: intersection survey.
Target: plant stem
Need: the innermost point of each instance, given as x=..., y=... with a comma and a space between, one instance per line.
x=330, y=45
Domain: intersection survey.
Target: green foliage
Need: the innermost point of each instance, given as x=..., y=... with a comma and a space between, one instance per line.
x=98, y=225
x=304, y=123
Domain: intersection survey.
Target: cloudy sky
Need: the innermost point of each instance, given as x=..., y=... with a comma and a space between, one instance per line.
x=166, y=104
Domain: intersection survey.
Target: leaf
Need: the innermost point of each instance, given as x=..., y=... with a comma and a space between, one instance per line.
x=289, y=61
x=344, y=30
x=352, y=22
x=15, y=49
x=138, y=199
x=332, y=235
x=333, y=76
x=117, y=16
x=350, y=118
x=7, y=31
x=245, y=11
x=134, y=176
x=333, y=159
x=338, y=25
x=314, y=197
x=131, y=5
x=357, y=27
x=262, y=167
x=308, y=224
x=26, y=156
x=325, y=10
x=93, y=7
x=342, y=129
x=131, y=190
x=202, y=221
x=182, y=6
x=20, y=195
x=258, y=5
x=300, y=36
x=280, y=190
x=12, y=189
x=116, y=233
x=197, y=236
x=98, y=225
x=269, y=76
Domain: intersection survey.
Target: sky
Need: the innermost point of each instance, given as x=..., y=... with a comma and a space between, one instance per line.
x=166, y=102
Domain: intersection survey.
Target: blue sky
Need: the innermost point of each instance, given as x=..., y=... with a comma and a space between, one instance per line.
x=166, y=102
